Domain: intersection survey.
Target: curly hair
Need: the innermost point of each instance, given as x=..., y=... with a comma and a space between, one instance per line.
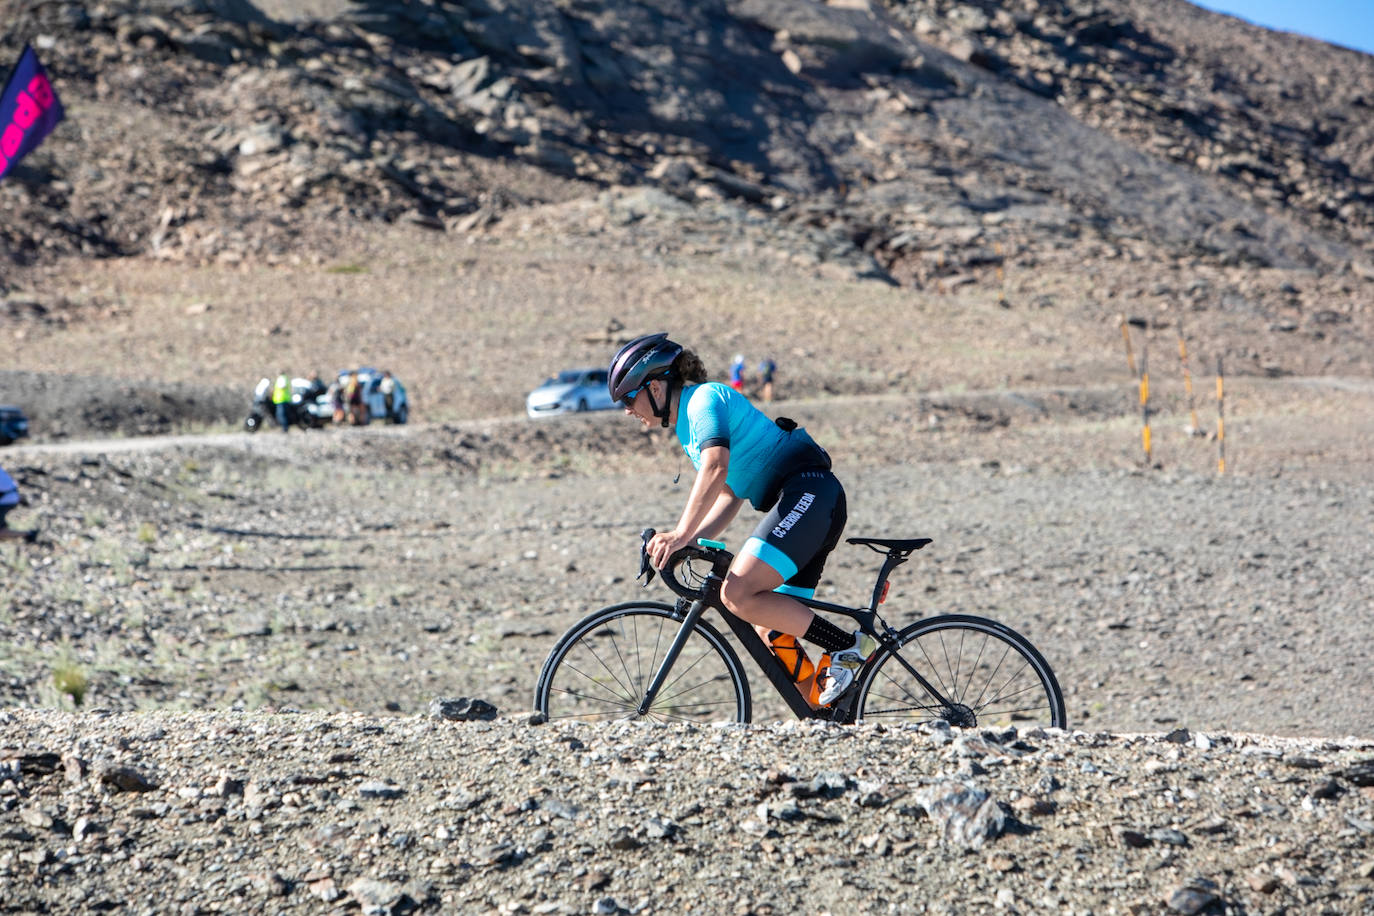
x=689, y=368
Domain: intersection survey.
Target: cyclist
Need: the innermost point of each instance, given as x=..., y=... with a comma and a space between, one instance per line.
x=740, y=454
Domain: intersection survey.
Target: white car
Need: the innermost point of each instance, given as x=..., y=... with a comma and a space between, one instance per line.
x=570, y=391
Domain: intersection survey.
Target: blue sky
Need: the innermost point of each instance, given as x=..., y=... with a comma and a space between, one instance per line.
x=1342, y=22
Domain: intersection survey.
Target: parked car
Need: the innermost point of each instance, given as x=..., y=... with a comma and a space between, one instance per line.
x=13, y=424
x=570, y=391
x=375, y=401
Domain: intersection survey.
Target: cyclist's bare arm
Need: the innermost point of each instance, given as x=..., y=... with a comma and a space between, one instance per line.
x=706, y=489
x=722, y=513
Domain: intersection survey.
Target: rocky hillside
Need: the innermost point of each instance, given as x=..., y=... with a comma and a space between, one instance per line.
x=911, y=140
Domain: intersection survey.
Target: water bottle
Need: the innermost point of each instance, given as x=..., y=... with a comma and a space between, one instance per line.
x=794, y=658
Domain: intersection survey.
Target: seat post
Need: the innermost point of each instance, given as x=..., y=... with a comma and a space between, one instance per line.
x=894, y=559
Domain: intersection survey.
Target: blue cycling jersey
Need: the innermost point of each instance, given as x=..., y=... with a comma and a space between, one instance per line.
x=762, y=454
x=9, y=493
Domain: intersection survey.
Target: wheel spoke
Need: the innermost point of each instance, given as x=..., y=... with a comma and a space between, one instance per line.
x=936, y=670
x=906, y=691
x=992, y=676
x=610, y=672
x=1006, y=697
x=625, y=696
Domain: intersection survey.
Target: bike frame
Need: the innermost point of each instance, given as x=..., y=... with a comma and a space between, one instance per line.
x=692, y=608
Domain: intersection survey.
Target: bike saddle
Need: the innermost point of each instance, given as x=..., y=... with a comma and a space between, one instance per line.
x=891, y=545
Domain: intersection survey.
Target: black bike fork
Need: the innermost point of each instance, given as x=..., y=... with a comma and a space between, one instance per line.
x=674, y=650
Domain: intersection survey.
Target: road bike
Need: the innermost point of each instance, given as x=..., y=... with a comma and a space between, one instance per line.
x=666, y=662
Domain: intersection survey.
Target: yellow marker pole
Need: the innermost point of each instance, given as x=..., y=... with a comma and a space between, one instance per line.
x=1221, y=421
x=1187, y=378
x=1126, y=336
x=1145, y=398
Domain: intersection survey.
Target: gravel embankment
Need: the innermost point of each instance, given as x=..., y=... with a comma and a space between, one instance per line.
x=302, y=812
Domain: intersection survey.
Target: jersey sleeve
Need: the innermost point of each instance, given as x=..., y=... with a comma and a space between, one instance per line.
x=708, y=418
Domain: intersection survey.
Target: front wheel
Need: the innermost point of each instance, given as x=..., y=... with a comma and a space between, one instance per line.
x=601, y=668
x=987, y=675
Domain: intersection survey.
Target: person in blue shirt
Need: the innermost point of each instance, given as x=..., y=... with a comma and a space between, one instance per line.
x=9, y=498
x=741, y=455
x=737, y=372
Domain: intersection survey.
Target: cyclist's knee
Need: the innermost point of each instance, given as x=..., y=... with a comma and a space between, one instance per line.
x=736, y=594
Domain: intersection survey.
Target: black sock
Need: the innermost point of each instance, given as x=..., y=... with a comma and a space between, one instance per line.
x=828, y=636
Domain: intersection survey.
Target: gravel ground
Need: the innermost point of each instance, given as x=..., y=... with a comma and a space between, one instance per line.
x=307, y=812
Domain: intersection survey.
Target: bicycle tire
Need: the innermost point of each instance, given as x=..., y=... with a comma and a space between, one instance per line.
x=582, y=680
x=992, y=676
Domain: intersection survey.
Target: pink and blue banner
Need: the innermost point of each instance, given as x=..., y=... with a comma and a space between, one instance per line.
x=29, y=110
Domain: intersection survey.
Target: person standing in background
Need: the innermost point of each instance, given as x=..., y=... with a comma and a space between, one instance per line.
x=317, y=387
x=281, y=399
x=737, y=372
x=336, y=399
x=9, y=498
x=353, y=397
x=388, y=389
x=766, y=370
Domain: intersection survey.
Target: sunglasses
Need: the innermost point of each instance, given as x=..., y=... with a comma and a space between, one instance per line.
x=628, y=399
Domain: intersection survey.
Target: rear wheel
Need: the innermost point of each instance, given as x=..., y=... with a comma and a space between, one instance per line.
x=252, y=422
x=600, y=669
x=987, y=674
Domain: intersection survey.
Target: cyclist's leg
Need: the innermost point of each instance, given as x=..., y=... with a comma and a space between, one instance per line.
x=748, y=593
x=786, y=553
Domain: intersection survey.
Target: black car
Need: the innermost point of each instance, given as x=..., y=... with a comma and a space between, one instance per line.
x=13, y=424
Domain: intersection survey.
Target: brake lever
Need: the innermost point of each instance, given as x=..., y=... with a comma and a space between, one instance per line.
x=646, y=569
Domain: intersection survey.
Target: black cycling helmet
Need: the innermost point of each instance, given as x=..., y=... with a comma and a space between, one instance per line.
x=639, y=362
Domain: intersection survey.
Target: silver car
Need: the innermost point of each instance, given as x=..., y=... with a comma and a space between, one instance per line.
x=570, y=391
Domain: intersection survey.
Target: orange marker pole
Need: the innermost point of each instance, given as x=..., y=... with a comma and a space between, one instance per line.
x=1187, y=378
x=1126, y=336
x=1221, y=421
